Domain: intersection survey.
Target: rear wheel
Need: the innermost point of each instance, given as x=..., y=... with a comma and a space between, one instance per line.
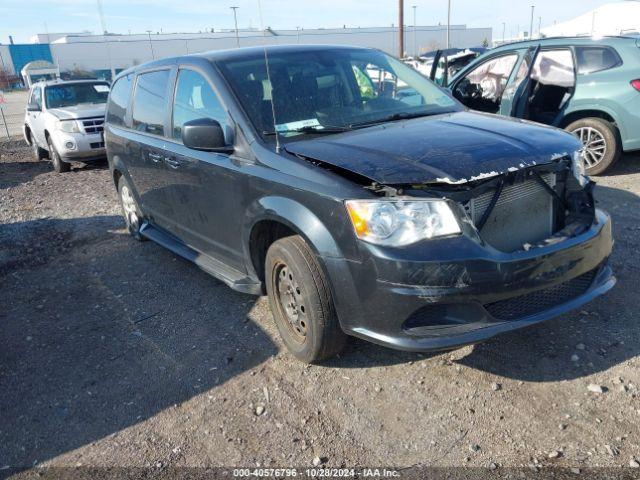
x=58, y=165
x=600, y=143
x=301, y=302
x=130, y=209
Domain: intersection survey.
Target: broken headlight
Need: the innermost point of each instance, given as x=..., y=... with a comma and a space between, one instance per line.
x=401, y=222
x=578, y=168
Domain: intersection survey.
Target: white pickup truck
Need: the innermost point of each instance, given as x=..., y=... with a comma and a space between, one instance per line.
x=64, y=121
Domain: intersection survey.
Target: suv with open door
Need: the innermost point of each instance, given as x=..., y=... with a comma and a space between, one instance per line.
x=589, y=87
x=360, y=197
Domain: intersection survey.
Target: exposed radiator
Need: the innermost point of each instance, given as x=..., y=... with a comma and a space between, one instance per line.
x=523, y=214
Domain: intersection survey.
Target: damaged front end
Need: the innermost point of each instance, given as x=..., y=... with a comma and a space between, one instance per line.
x=521, y=209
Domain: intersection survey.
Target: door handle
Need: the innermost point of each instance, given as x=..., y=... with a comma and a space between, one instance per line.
x=155, y=157
x=173, y=163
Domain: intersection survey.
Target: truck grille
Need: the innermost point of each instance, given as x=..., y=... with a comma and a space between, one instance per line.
x=523, y=214
x=93, y=125
x=541, y=300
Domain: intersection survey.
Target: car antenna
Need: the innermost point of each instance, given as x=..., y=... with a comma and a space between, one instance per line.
x=266, y=62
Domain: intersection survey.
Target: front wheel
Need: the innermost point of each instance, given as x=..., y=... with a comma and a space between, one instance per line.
x=301, y=302
x=600, y=143
x=58, y=165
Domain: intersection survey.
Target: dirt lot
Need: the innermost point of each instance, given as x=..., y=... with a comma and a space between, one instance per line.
x=119, y=353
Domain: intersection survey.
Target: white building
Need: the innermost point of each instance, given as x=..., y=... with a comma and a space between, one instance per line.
x=99, y=52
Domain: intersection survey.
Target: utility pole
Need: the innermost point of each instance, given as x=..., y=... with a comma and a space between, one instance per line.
x=415, y=43
x=153, y=54
x=104, y=33
x=400, y=28
x=449, y=24
x=533, y=8
x=235, y=20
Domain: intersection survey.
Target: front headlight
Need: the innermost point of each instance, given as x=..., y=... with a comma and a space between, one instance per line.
x=401, y=222
x=578, y=168
x=68, y=126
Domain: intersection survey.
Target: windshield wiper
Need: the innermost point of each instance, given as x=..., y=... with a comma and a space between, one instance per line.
x=310, y=129
x=391, y=118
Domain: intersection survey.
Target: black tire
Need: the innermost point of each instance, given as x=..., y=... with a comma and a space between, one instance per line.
x=58, y=165
x=133, y=224
x=39, y=154
x=605, y=147
x=301, y=302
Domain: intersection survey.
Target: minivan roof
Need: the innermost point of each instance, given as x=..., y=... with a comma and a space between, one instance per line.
x=239, y=53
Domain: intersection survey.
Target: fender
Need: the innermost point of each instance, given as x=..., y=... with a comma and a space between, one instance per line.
x=297, y=217
x=580, y=107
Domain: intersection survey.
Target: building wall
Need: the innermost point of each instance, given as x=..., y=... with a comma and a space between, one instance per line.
x=21, y=54
x=92, y=53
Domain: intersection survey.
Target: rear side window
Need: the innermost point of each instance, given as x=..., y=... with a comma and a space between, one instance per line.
x=596, y=59
x=119, y=100
x=149, y=102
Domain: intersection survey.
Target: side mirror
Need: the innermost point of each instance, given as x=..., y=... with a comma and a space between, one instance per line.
x=205, y=134
x=33, y=107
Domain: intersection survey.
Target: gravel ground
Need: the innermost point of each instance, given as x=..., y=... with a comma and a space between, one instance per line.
x=118, y=353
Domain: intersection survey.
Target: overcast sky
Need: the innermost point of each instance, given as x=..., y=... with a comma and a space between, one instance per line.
x=23, y=18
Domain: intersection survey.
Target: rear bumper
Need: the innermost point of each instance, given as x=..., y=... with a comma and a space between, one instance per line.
x=460, y=297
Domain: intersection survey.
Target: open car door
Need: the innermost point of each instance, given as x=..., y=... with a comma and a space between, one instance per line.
x=516, y=98
x=436, y=76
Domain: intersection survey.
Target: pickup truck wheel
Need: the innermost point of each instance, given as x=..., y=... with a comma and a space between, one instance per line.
x=300, y=300
x=58, y=165
x=600, y=143
x=130, y=209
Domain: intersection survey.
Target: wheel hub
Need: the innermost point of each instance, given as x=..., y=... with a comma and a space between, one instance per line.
x=291, y=303
x=594, y=145
x=129, y=207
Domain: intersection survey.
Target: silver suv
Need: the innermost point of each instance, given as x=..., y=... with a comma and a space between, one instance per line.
x=64, y=121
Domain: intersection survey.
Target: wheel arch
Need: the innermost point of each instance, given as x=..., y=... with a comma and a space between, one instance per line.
x=599, y=111
x=272, y=218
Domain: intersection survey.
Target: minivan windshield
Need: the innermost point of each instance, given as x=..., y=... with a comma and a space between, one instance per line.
x=330, y=90
x=67, y=95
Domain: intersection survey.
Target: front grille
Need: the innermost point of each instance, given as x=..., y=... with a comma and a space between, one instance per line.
x=97, y=145
x=523, y=214
x=93, y=125
x=536, y=302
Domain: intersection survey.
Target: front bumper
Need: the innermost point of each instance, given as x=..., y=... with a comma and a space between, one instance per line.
x=449, y=297
x=81, y=147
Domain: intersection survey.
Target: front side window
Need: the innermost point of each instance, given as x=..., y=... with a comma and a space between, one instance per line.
x=149, y=104
x=36, y=97
x=483, y=87
x=119, y=100
x=337, y=88
x=67, y=95
x=596, y=59
x=194, y=99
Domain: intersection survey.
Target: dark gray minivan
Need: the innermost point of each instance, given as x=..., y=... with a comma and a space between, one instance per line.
x=360, y=197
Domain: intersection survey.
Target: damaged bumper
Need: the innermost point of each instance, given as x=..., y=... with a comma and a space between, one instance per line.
x=462, y=291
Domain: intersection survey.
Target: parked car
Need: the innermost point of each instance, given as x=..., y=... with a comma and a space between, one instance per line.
x=375, y=208
x=64, y=121
x=590, y=87
x=455, y=59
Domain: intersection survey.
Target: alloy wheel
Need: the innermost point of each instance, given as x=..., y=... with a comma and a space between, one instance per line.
x=130, y=208
x=594, y=145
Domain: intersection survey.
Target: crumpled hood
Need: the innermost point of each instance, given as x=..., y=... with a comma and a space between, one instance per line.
x=452, y=148
x=79, y=111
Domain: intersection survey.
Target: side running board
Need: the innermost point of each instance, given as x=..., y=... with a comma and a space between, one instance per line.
x=223, y=272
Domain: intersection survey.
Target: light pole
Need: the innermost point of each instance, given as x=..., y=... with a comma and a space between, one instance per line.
x=298, y=33
x=533, y=8
x=504, y=28
x=153, y=54
x=449, y=25
x=235, y=20
x=415, y=43
x=539, y=27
